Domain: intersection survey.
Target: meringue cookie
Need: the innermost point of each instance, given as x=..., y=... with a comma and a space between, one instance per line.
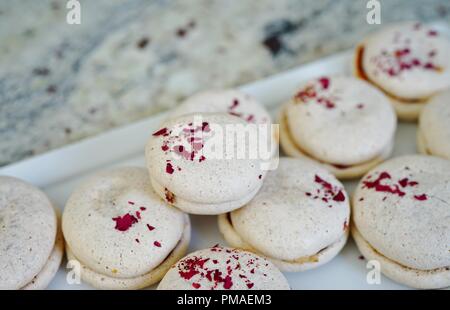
x=400, y=213
x=409, y=62
x=193, y=167
x=341, y=122
x=28, y=230
x=299, y=219
x=121, y=232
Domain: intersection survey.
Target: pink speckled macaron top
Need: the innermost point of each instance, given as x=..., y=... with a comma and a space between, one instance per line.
x=408, y=60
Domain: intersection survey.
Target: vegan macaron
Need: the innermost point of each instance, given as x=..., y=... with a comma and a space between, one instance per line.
x=299, y=219
x=30, y=245
x=199, y=164
x=401, y=212
x=120, y=232
x=409, y=62
x=433, y=134
x=341, y=122
x=220, y=268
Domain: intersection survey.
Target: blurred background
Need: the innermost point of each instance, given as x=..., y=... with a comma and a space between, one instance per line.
x=129, y=59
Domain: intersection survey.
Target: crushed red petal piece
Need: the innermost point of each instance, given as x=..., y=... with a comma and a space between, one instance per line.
x=205, y=126
x=196, y=269
x=322, y=182
x=161, y=132
x=309, y=93
x=339, y=196
x=189, y=267
x=150, y=227
x=227, y=283
x=327, y=192
x=402, y=59
x=169, y=168
x=376, y=184
x=196, y=285
x=421, y=197
x=324, y=82
x=234, y=104
x=403, y=182
x=157, y=244
x=124, y=222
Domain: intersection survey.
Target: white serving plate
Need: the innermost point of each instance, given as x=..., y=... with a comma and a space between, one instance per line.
x=59, y=171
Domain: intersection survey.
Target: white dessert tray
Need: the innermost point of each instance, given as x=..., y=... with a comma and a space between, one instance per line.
x=59, y=171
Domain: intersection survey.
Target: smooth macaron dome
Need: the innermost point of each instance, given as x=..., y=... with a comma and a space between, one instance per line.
x=433, y=134
x=400, y=212
x=299, y=219
x=229, y=101
x=28, y=226
x=341, y=122
x=194, y=166
x=119, y=228
x=220, y=268
x=408, y=61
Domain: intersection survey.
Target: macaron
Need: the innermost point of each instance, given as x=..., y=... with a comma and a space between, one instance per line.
x=401, y=212
x=29, y=244
x=206, y=163
x=121, y=234
x=407, y=61
x=299, y=219
x=220, y=268
x=433, y=134
x=229, y=101
x=341, y=122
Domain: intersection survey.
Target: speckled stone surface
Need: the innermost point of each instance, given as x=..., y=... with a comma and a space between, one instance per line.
x=130, y=59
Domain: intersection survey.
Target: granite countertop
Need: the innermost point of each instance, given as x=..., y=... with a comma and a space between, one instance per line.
x=129, y=59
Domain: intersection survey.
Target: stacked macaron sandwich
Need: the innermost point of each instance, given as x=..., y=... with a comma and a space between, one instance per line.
x=129, y=228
